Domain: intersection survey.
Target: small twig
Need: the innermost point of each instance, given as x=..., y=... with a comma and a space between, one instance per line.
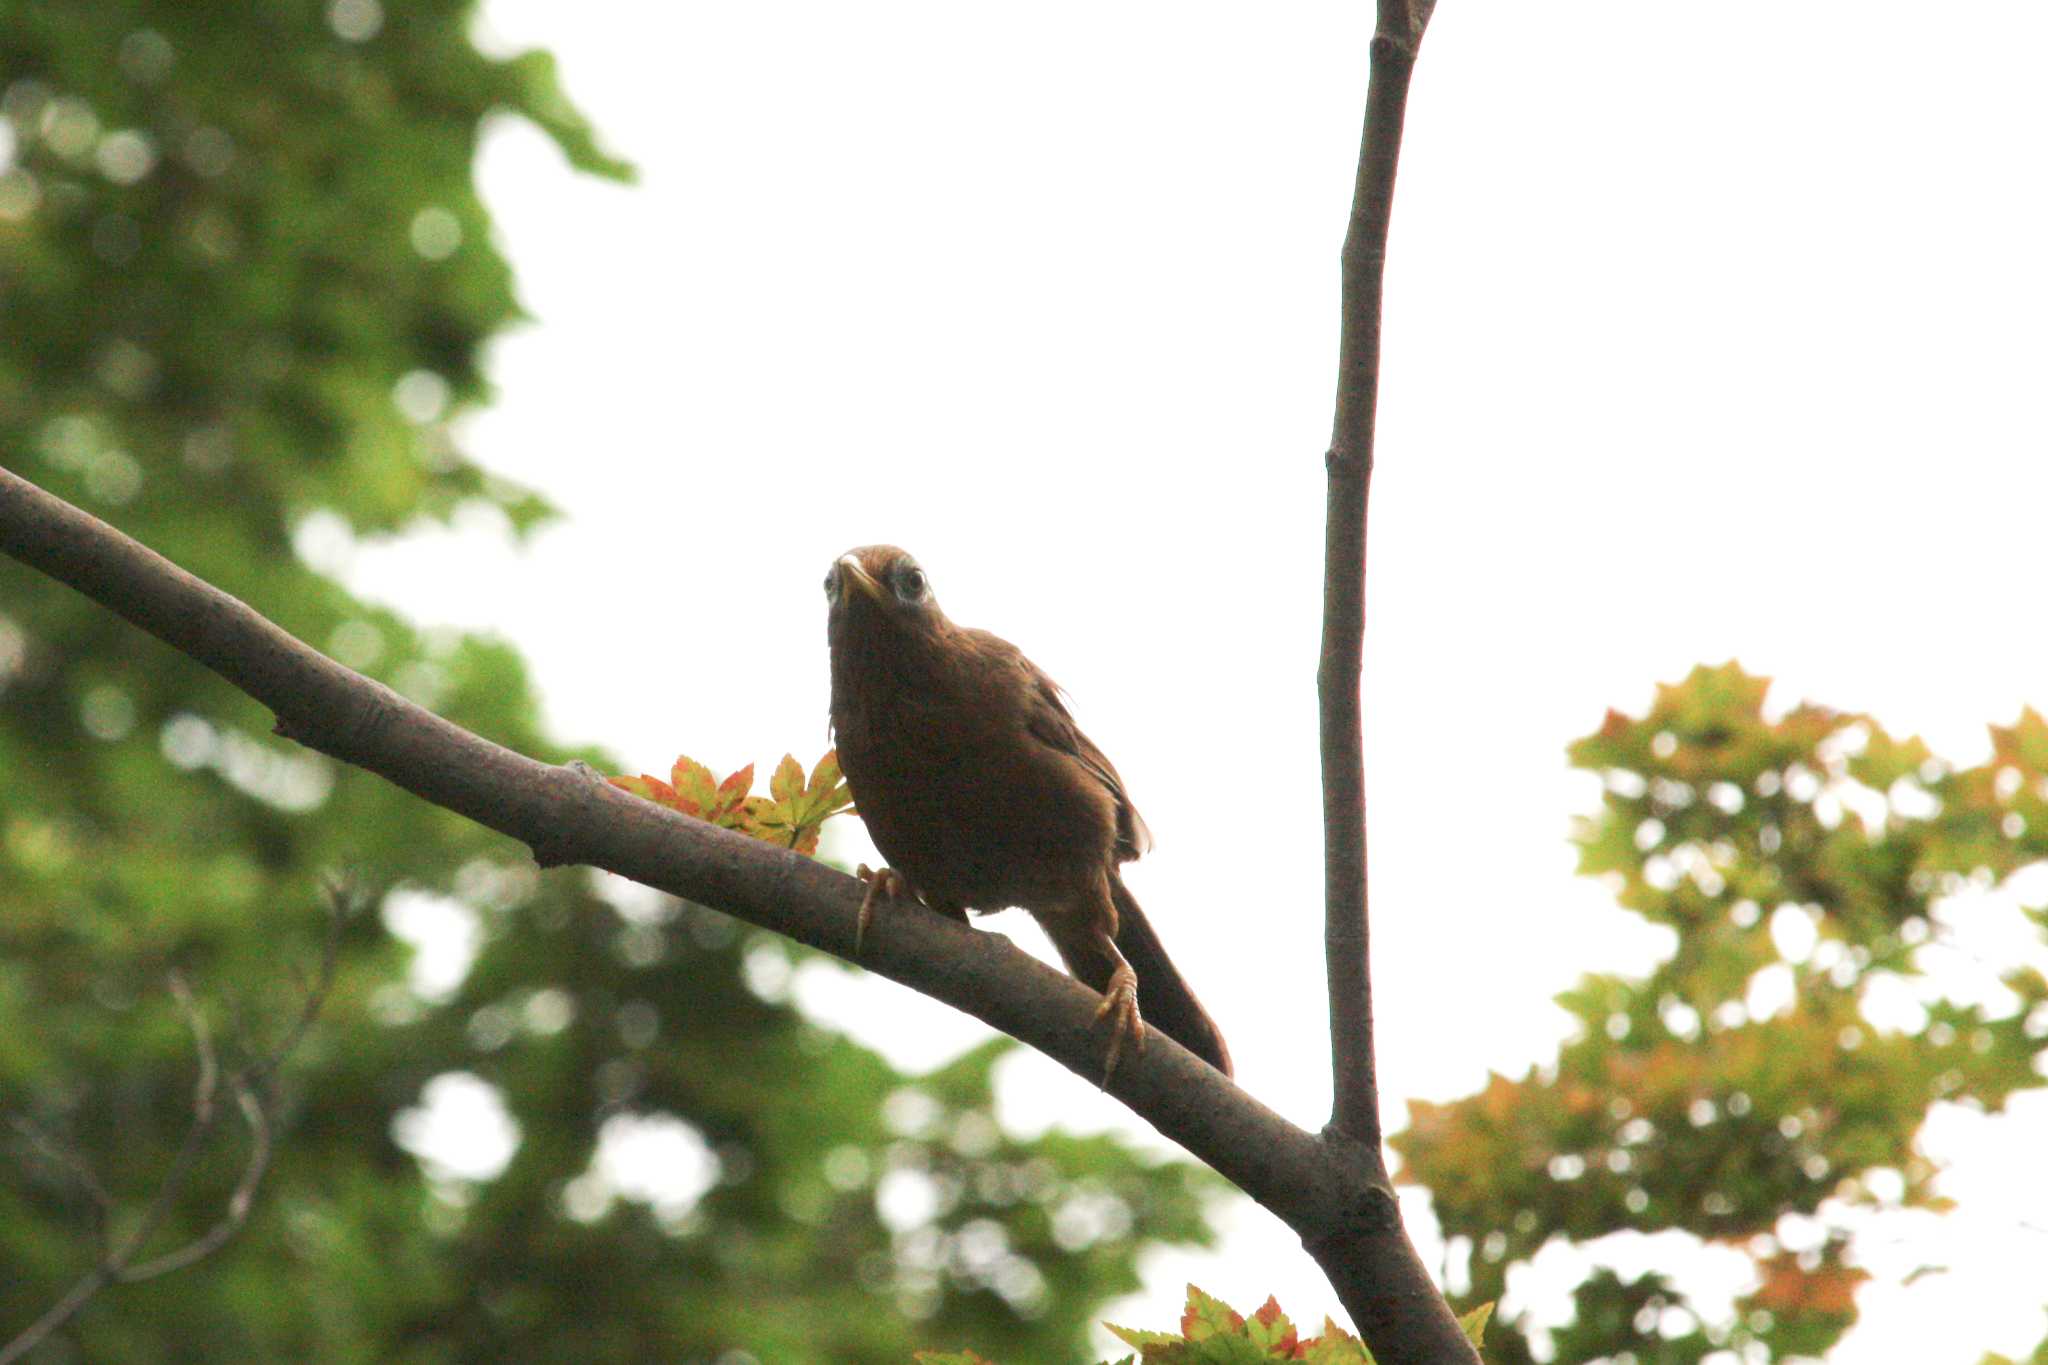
x=117, y=1263
x=80, y=1171
x=204, y=1116
x=202, y=1042
x=240, y=1203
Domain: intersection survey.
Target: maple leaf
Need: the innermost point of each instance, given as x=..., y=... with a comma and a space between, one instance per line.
x=788, y=782
x=798, y=809
x=1206, y=1317
x=1269, y=1328
x=731, y=798
x=694, y=785
x=651, y=788
x=1335, y=1347
x=1474, y=1323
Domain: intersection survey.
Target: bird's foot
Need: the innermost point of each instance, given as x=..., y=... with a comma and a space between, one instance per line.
x=885, y=882
x=1120, y=1006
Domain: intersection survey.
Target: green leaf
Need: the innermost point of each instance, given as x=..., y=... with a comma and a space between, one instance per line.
x=1336, y=1347
x=695, y=787
x=788, y=782
x=1132, y=1336
x=1207, y=1317
x=826, y=777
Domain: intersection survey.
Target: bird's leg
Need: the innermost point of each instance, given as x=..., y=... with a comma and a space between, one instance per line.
x=1120, y=1006
x=886, y=882
x=1086, y=939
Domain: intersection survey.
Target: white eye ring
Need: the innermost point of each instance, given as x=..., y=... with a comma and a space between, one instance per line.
x=832, y=584
x=910, y=585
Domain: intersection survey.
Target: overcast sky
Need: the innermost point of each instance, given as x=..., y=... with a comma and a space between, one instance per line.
x=1711, y=333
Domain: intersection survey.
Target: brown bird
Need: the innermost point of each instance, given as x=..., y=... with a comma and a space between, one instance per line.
x=982, y=793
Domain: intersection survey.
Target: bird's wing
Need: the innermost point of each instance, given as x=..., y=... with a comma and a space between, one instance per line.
x=1049, y=721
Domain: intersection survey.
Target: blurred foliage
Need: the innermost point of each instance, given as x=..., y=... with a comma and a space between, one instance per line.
x=245, y=283
x=1764, y=1086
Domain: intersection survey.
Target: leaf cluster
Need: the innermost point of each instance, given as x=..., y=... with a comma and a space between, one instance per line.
x=1806, y=865
x=792, y=815
x=1213, y=1333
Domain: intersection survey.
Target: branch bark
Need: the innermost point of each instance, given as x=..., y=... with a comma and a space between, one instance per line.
x=1340, y=671
x=1374, y=1266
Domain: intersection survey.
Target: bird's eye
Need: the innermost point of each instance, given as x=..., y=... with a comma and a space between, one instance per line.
x=832, y=584
x=910, y=584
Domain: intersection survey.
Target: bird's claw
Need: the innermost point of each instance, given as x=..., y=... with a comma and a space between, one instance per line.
x=882, y=882
x=1120, y=1006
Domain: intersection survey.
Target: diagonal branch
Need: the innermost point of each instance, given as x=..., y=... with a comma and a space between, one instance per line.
x=1339, y=674
x=1338, y=1205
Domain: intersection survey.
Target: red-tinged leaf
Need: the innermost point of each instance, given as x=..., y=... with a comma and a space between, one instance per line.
x=751, y=815
x=694, y=783
x=788, y=782
x=1270, y=1330
x=1206, y=1317
x=732, y=793
x=650, y=788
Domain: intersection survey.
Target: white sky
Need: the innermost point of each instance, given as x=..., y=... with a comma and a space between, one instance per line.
x=1710, y=334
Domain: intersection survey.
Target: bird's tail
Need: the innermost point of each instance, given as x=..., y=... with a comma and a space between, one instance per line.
x=1164, y=998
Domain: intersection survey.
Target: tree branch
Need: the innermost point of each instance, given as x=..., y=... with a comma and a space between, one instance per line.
x=1339, y=674
x=1321, y=1188
x=116, y=1264
x=1373, y=1264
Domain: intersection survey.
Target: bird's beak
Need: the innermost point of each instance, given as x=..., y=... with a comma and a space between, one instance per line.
x=860, y=577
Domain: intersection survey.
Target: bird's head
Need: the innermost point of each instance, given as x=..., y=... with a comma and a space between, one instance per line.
x=879, y=587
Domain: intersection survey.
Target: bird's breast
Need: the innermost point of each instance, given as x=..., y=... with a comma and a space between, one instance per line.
x=963, y=801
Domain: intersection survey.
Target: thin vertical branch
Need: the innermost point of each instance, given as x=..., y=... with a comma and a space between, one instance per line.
x=1339, y=675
